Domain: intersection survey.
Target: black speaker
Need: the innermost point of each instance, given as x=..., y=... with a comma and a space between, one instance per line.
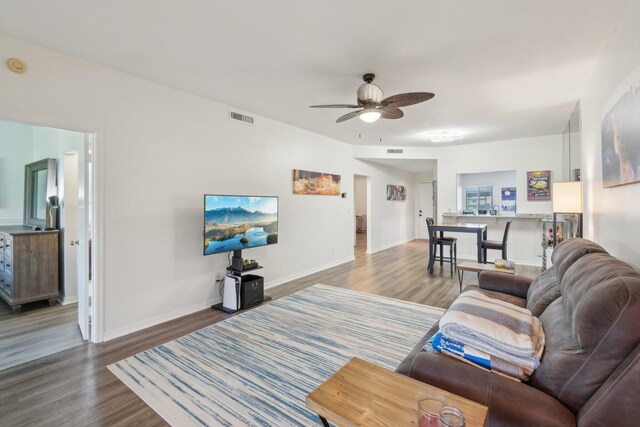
x=251, y=290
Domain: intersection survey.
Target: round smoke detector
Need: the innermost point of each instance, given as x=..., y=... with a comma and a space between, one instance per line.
x=16, y=65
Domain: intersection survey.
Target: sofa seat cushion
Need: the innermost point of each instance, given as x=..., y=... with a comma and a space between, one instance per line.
x=590, y=329
x=511, y=403
x=404, y=367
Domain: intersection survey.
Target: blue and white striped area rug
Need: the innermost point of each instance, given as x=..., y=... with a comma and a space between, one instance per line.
x=256, y=368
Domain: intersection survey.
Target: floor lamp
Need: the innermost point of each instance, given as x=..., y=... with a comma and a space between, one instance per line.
x=567, y=199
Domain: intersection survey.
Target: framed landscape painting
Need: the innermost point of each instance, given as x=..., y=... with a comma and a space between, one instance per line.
x=539, y=185
x=318, y=183
x=620, y=133
x=396, y=193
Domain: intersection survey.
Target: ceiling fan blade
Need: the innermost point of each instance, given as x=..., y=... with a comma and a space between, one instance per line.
x=335, y=106
x=348, y=116
x=406, y=99
x=390, y=112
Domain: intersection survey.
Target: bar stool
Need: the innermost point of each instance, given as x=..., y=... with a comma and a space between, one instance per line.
x=443, y=241
x=496, y=245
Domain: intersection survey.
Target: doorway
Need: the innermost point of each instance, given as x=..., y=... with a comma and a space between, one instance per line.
x=362, y=206
x=426, y=208
x=68, y=323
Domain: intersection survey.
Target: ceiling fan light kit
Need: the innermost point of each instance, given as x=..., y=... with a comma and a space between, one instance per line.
x=370, y=116
x=374, y=105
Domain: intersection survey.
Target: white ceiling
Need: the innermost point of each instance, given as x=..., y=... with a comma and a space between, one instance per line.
x=500, y=69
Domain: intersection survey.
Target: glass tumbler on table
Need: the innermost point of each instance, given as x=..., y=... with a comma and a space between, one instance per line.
x=434, y=411
x=429, y=410
x=450, y=416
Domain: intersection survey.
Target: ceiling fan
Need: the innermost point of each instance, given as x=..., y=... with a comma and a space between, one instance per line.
x=375, y=106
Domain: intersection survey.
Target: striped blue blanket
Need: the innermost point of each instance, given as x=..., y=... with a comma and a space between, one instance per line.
x=503, y=331
x=442, y=344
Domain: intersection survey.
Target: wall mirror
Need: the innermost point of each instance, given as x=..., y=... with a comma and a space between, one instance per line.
x=39, y=185
x=572, y=147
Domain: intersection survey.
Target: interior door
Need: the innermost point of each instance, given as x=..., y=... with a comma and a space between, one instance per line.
x=87, y=264
x=72, y=279
x=425, y=208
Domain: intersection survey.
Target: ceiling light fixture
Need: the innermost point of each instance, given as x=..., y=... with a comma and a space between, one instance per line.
x=370, y=115
x=443, y=136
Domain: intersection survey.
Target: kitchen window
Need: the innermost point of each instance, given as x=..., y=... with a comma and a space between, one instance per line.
x=478, y=198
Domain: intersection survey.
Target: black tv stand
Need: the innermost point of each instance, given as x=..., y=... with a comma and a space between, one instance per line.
x=220, y=307
x=237, y=257
x=239, y=273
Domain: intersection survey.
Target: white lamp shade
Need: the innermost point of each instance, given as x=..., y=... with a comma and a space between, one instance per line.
x=567, y=197
x=370, y=116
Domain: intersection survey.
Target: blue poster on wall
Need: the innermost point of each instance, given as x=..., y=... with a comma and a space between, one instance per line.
x=508, y=199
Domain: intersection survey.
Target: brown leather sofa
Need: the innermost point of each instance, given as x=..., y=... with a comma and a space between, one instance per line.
x=589, y=375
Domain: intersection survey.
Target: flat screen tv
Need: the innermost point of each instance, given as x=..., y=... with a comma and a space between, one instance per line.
x=233, y=223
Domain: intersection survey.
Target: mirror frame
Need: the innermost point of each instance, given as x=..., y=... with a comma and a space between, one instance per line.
x=50, y=166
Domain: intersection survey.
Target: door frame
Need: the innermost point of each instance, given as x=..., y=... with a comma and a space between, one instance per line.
x=96, y=310
x=368, y=209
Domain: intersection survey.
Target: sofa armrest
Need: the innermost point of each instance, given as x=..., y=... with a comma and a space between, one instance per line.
x=510, y=402
x=505, y=283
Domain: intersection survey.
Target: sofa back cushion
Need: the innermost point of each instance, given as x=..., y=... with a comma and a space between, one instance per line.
x=569, y=251
x=545, y=289
x=590, y=329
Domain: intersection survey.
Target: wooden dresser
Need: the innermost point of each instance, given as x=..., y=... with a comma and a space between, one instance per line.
x=28, y=265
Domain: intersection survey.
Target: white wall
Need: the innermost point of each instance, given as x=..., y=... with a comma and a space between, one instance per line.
x=611, y=214
x=497, y=180
x=16, y=150
x=389, y=222
x=522, y=155
x=425, y=177
x=161, y=149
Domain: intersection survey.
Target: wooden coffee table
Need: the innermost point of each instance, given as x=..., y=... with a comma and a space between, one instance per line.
x=478, y=267
x=365, y=394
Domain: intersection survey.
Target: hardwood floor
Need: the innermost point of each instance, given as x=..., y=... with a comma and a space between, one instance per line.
x=361, y=244
x=75, y=388
x=38, y=331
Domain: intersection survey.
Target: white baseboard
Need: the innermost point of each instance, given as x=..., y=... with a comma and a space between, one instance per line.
x=300, y=274
x=67, y=301
x=109, y=335
x=138, y=326
x=399, y=242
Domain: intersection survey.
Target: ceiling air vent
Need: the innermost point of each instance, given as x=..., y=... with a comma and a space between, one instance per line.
x=240, y=117
x=395, y=151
